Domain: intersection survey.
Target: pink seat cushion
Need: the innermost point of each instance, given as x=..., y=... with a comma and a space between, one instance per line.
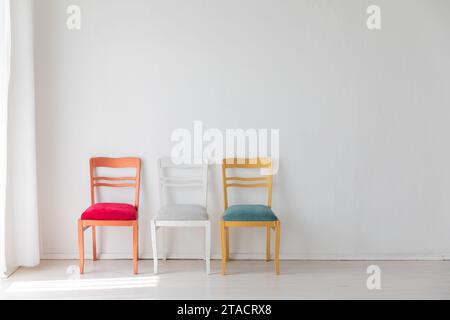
x=110, y=211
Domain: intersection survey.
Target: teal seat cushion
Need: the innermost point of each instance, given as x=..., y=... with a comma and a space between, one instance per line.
x=249, y=212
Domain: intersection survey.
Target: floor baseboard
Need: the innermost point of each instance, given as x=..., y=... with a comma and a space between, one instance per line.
x=260, y=256
x=5, y=275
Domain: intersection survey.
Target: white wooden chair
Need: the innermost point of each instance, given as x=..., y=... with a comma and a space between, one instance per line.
x=181, y=215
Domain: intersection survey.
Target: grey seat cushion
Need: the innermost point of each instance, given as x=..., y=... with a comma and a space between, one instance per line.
x=182, y=212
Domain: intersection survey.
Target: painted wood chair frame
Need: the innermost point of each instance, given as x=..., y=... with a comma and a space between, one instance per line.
x=192, y=181
x=112, y=182
x=264, y=181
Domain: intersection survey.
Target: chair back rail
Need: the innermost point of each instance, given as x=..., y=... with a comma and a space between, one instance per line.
x=115, y=182
x=265, y=181
x=199, y=180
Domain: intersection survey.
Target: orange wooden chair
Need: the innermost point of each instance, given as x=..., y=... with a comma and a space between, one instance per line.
x=111, y=214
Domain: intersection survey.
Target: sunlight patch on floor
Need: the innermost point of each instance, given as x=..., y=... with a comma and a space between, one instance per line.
x=83, y=284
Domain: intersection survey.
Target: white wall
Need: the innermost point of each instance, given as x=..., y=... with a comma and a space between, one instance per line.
x=363, y=115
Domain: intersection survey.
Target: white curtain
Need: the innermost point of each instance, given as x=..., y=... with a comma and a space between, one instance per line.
x=19, y=227
x=4, y=80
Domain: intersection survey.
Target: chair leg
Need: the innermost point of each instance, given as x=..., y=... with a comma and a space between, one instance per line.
x=94, y=244
x=154, y=246
x=208, y=246
x=137, y=243
x=81, y=245
x=227, y=243
x=164, y=243
x=135, y=247
x=277, y=247
x=268, y=243
x=223, y=242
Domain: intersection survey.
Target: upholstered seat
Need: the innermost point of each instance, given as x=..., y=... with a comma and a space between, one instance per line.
x=249, y=212
x=182, y=212
x=110, y=211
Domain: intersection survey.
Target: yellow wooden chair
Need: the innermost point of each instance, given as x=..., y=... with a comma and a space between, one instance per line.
x=250, y=215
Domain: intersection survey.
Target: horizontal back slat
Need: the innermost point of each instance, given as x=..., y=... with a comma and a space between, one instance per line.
x=184, y=185
x=249, y=185
x=182, y=179
x=115, y=178
x=115, y=185
x=251, y=163
x=168, y=162
x=247, y=178
x=115, y=162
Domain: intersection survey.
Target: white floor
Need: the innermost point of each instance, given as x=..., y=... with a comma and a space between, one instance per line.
x=181, y=279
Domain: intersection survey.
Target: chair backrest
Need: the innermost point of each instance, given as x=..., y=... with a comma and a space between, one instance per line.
x=262, y=181
x=116, y=182
x=197, y=180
